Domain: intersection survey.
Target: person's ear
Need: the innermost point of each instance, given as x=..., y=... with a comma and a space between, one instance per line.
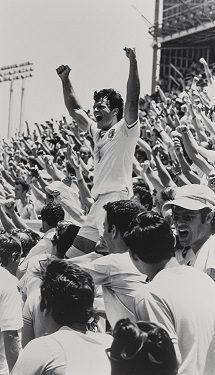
x=15, y=257
x=115, y=111
x=209, y=217
x=114, y=231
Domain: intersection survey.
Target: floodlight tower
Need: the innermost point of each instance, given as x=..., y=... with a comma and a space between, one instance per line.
x=12, y=73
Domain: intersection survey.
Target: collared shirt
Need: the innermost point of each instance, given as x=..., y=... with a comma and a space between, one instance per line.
x=120, y=280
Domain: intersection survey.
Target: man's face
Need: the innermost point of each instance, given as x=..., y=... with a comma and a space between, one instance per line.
x=19, y=191
x=103, y=114
x=189, y=226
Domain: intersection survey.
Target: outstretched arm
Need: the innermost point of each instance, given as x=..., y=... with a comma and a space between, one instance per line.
x=71, y=101
x=133, y=89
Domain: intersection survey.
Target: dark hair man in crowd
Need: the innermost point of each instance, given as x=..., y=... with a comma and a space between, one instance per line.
x=67, y=295
x=23, y=203
x=51, y=214
x=114, y=138
x=180, y=298
x=115, y=272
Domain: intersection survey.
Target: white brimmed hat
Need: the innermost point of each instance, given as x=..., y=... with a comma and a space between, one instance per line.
x=192, y=197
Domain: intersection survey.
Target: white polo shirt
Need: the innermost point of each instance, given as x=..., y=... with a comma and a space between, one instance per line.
x=181, y=299
x=10, y=312
x=113, y=157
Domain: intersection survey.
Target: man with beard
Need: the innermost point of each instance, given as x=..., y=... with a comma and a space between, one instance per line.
x=193, y=216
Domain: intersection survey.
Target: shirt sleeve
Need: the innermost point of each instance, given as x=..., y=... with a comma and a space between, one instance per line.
x=10, y=308
x=99, y=270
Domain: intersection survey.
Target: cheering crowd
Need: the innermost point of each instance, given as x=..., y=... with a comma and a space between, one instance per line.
x=107, y=238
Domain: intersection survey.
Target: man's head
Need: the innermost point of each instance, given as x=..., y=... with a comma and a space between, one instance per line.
x=64, y=237
x=10, y=252
x=85, y=153
x=51, y=214
x=108, y=108
x=192, y=213
x=141, y=345
x=150, y=241
x=21, y=188
x=28, y=239
x=119, y=214
x=67, y=293
x=143, y=197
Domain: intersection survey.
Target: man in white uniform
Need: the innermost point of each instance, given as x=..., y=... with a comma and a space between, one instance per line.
x=180, y=298
x=115, y=138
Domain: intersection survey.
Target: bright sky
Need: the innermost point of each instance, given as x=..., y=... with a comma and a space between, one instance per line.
x=88, y=35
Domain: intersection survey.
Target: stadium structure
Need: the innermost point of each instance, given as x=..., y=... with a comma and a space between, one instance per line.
x=183, y=32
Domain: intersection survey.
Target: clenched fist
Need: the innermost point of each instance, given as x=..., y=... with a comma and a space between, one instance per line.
x=63, y=71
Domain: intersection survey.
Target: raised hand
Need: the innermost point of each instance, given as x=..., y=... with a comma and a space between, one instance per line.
x=178, y=147
x=182, y=128
x=155, y=150
x=145, y=166
x=130, y=53
x=63, y=72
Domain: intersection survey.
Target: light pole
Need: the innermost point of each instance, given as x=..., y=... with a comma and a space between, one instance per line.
x=12, y=73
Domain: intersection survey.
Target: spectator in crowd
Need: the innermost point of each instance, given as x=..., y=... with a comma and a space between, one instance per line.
x=178, y=297
x=141, y=347
x=10, y=303
x=115, y=272
x=115, y=139
x=67, y=295
x=24, y=205
x=193, y=218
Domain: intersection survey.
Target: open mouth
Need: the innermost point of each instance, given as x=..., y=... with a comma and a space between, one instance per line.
x=183, y=234
x=98, y=117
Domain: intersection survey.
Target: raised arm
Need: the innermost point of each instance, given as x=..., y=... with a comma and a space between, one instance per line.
x=133, y=89
x=71, y=101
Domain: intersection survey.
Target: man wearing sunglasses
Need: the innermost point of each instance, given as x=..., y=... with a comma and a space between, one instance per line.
x=193, y=218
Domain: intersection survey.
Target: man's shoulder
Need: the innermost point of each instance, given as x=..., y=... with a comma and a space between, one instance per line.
x=7, y=279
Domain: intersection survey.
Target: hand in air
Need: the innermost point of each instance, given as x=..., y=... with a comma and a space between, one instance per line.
x=130, y=53
x=63, y=71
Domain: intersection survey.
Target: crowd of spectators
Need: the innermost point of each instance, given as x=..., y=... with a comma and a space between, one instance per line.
x=108, y=231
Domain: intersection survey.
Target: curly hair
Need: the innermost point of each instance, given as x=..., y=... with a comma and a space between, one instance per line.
x=68, y=292
x=52, y=213
x=114, y=99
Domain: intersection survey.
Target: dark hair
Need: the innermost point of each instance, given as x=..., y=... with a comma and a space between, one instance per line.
x=52, y=213
x=64, y=237
x=140, y=182
x=26, y=242
x=150, y=237
x=121, y=213
x=68, y=292
x=25, y=185
x=145, y=196
x=142, y=348
x=8, y=246
x=167, y=194
x=114, y=98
